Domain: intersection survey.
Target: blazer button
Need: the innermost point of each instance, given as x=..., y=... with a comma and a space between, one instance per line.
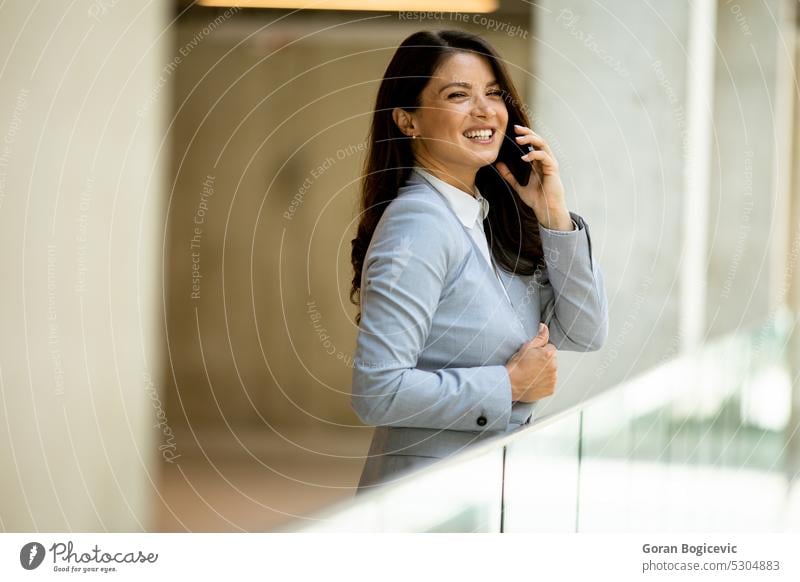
x=481, y=420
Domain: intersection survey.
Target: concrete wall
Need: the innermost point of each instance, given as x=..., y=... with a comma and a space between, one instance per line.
x=610, y=93
x=679, y=169
x=751, y=173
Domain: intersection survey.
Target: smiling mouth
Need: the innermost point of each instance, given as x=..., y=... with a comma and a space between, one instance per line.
x=480, y=136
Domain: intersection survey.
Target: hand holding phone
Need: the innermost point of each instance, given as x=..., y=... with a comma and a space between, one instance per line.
x=519, y=167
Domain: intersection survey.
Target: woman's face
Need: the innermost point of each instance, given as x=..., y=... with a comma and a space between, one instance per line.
x=462, y=95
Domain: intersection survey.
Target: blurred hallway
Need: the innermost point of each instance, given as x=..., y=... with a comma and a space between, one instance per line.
x=251, y=481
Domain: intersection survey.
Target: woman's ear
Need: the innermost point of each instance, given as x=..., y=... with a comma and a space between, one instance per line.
x=404, y=121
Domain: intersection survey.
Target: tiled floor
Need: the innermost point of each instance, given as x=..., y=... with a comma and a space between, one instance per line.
x=256, y=480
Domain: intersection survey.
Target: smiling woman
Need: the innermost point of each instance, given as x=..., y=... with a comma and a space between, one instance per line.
x=456, y=128
x=469, y=271
x=437, y=86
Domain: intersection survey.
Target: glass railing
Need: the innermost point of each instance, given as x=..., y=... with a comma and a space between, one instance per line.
x=698, y=444
x=704, y=442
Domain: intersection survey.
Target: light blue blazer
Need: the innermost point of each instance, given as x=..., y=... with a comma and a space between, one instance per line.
x=436, y=330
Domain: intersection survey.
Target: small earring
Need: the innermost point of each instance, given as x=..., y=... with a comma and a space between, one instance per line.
x=413, y=137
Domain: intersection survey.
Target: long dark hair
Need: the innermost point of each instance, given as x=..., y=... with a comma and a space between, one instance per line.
x=511, y=226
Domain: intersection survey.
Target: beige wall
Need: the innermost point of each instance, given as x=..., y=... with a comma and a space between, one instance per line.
x=80, y=222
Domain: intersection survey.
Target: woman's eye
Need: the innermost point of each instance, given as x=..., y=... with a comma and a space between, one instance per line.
x=460, y=94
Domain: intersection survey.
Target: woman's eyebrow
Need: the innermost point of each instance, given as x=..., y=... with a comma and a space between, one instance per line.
x=467, y=85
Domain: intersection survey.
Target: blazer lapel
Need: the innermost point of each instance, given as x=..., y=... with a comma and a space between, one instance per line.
x=487, y=269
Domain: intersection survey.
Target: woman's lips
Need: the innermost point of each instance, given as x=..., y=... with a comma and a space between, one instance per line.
x=483, y=141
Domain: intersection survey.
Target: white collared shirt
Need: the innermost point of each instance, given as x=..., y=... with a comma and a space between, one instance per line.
x=471, y=211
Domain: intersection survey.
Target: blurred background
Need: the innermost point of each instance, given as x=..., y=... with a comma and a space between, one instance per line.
x=178, y=193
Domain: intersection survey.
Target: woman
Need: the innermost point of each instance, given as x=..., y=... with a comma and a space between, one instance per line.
x=450, y=349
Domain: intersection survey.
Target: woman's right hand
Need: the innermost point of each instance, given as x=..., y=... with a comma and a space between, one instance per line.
x=533, y=369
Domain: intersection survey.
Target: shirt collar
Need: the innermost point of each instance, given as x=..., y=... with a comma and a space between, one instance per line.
x=466, y=207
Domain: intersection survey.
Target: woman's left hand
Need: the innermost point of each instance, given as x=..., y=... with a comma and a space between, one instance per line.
x=545, y=196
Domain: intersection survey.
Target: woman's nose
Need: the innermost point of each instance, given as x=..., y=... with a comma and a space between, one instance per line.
x=483, y=106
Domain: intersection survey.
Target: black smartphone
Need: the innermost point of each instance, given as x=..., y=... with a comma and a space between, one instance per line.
x=513, y=159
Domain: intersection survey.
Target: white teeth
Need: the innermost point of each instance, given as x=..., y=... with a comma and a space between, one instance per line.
x=480, y=134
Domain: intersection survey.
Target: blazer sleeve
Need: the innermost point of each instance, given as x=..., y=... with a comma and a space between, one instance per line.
x=408, y=265
x=573, y=298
